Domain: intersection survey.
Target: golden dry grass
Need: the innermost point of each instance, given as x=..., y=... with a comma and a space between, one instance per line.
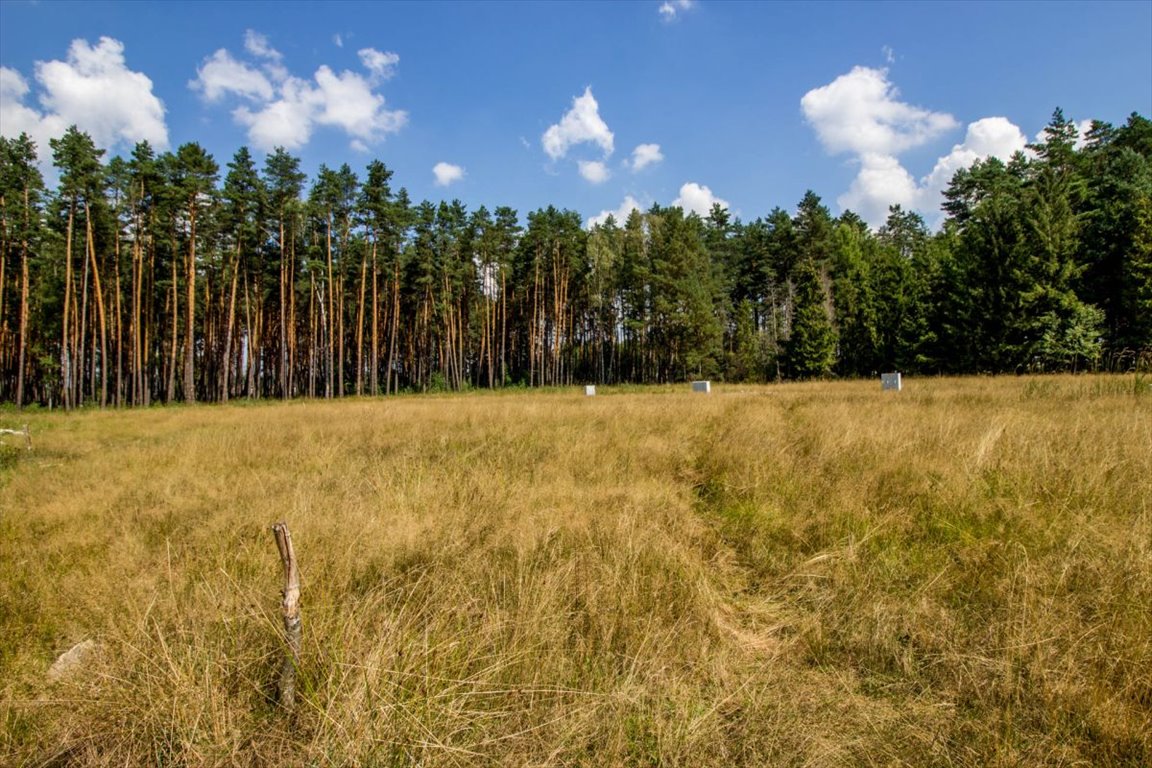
x=797, y=575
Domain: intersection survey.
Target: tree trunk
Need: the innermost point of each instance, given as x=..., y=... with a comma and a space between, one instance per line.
x=190, y=323
x=65, y=356
x=175, y=333
x=226, y=361
x=395, y=325
x=360, y=324
x=23, y=356
x=291, y=315
x=330, y=347
x=119, y=328
x=375, y=356
x=100, y=307
x=283, y=313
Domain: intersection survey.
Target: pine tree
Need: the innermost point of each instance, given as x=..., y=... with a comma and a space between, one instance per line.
x=811, y=348
x=21, y=202
x=194, y=183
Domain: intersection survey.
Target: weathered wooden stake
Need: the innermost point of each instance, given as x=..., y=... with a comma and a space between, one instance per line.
x=290, y=608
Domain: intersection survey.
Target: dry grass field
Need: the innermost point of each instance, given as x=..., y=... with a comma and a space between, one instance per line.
x=959, y=574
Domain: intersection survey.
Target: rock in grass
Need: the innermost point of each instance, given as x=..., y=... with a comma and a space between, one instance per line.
x=71, y=660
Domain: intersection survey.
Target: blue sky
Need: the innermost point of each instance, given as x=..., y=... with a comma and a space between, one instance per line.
x=592, y=106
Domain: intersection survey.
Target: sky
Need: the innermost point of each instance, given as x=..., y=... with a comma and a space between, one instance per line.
x=596, y=107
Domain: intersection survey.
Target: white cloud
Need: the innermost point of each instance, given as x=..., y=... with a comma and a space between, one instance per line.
x=15, y=117
x=594, y=171
x=346, y=101
x=446, y=173
x=381, y=65
x=1082, y=129
x=889, y=54
x=671, y=8
x=581, y=124
x=698, y=199
x=257, y=45
x=645, y=155
x=884, y=181
x=94, y=90
x=988, y=137
x=13, y=86
x=881, y=182
x=859, y=113
x=338, y=40
x=620, y=214
x=221, y=75
x=285, y=110
x=286, y=122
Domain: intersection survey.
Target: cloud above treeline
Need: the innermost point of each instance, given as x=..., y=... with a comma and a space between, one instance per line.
x=94, y=89
x=698, y=199
x=861, y=114
x=280, y=109
x=693, y=198
x=594, y=171
x=447, y=173
x=581, y=124
x=645, y=155
x=620, y=214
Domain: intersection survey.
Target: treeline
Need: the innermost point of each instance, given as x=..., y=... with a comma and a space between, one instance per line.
x=162, y=277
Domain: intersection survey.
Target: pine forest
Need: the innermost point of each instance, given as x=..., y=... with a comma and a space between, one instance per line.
x=164, y=277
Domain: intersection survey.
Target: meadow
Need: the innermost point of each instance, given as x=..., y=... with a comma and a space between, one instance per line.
x=821, y=574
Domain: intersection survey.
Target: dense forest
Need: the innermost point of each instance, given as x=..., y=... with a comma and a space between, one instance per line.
x=162, y=277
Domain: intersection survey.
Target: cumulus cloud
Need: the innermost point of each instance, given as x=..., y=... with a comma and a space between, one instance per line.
x=620, y=214
x=1083, y=127
x=594, y=171
x=670, y=9
x=346, y=100
x=284, y=110
x=220, y=75
x=883, y=181
x=381, y=64
x=860, y=113
x=446, y=173
x=92, y=89
x=16, y=118
x=988, y=137
x=698, y=199
x=580, y=124
x=645, y=155
x=285, y=122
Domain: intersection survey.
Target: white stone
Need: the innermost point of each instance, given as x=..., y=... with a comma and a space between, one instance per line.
x=590, y=390
x=71, y=660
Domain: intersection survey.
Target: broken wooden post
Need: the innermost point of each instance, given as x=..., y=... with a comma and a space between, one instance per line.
x=290, y=608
